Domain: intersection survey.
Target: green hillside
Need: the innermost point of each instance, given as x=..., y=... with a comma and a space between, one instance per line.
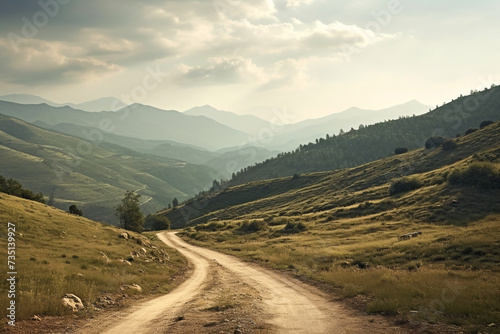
x=343, y=228
x=74, y=171
x=57, y=253
x=323, y=191
x=373, y=142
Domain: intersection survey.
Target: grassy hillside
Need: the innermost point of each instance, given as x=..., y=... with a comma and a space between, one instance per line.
x=377, y=141
x=343, y=228
x=92, y=175
x=58, y=253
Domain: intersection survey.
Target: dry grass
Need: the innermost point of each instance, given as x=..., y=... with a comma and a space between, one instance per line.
x=58, y=253
x=448, y=274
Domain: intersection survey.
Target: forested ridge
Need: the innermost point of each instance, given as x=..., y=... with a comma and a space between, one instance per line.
x=369, y=143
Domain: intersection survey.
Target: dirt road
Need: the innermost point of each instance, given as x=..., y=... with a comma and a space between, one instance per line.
x=269, y=302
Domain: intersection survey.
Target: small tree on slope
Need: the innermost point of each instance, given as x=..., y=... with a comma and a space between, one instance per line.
x=129, y=212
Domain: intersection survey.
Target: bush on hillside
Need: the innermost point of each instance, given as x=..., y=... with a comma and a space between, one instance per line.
x=404, y=184
x=485, y=124
x=434, y=142
x=294, y=227
x=400, y=150
x=253, y=226
x=484, y=175
x=74, y=210
x=159, y=223
x=469, y=131
x=449, y=145
x=212, y=226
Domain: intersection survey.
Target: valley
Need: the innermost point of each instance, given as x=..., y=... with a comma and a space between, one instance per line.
x=404, y=243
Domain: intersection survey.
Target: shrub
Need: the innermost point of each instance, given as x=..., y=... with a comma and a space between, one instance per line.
x=485, y=124
x=253, y=226
x=433, y=142
x=485, y=175
x=400, y=150
x=404, y=184
x=449, y=145
x=469, y=131
x=74, y=210
x=160, y=223
x=294, y=227
x=211, y=226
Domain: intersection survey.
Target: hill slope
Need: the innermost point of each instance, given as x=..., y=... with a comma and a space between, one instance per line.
x=93, y=175
x=58, y=253
x=415, y=235
x=343, y=189
x=380, y=140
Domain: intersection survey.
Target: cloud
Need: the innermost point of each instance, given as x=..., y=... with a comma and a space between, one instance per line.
x=219, y=71
x=208, y=42
x=40, y=62
x=287, y=73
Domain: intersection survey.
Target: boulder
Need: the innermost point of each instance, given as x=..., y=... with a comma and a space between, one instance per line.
x=72, y=302
x=124, y=262
x=124, y=235
x=135, y=287
x=106, y=258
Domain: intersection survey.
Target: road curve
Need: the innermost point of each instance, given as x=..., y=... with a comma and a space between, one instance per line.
x=293, y=307
x=169, y=305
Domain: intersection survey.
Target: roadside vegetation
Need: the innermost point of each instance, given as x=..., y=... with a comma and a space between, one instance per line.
x=59, y=253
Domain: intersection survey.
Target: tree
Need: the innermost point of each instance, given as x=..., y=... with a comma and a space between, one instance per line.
x=74, y=210
x=485, y=124
x=400, y=150
x=129, y=212
x=449, y=145
x=160, y=223
x=175, y=202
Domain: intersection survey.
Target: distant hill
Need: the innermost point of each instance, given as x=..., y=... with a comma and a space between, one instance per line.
x=92, y=175
x=138, y=121
x=373, y=142
x=27, y=99
x=244, y=123
x=102, y=104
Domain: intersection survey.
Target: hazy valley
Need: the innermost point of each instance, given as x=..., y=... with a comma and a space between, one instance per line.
x=381, y=232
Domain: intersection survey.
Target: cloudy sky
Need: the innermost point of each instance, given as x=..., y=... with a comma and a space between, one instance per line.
x=312, y=57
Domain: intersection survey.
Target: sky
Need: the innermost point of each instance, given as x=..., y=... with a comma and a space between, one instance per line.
x=309, y=57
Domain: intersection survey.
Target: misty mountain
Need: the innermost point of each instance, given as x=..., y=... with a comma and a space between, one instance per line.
x=244, y=123
x=137, y=121
x=102, y=104
x=27, y=99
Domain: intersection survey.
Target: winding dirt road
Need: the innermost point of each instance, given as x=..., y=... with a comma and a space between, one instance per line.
x=286, y=305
